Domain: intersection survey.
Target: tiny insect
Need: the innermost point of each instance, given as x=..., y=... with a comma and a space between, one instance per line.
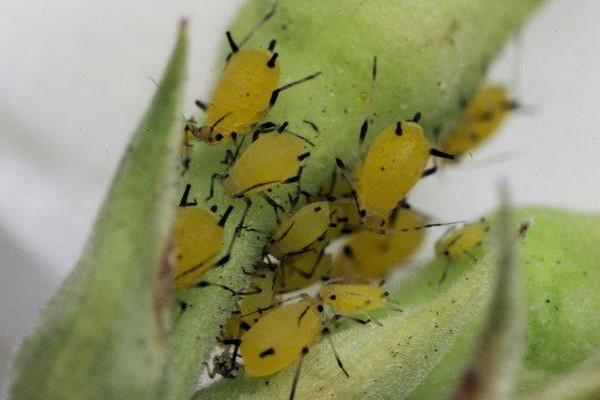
x=458, y=242
x=299, y=232
x=370, y=255
x=273, y=158
x=283, y=336
x=245, y=92
x=198, y=240
x=481, y=119
x=393, y=165
x=353, y=299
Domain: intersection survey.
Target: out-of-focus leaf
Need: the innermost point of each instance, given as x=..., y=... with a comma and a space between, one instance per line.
x=494, y=363
x=105, y=333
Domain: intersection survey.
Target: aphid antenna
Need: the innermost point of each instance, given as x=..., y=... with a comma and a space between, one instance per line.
x=264, y=19
x=416, y=228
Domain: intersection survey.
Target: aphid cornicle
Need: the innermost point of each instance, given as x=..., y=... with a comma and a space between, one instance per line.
x=487, y=110
x=245, y=92
x=458, y=242
x=298, y=232
x=370, y=255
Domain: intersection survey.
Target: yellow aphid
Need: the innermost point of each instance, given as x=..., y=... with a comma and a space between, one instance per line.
x=302, y=270
x=462, y=241
x=394, y=163
x=272, y=159
x=392, y=167
x=198, y=237
x=482, y=117
x=369, y=255
x=241, y=97
x=353, y=299
x=303, y=228
x=459, y=242
x=280, y=337
x=245, y=91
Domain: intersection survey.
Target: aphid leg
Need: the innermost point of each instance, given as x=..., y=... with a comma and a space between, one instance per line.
x=441, y=154
x=325, y=332
x=370, y=318
x=308, y=275
x=201, y=105
x=297, y=374
x=276, y=92
x=182, y=306
x=445, y=273
x=184, y=199
x=429, y=171
x=471, y=255
x=268, y=127
x=253, y=289
x=214, y=177
x=230, y=156
x=234, y=47
x=276, y=206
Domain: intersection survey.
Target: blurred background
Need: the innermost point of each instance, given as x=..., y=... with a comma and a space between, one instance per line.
x=75, y=78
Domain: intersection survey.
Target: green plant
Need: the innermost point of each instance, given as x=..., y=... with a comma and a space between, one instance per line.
x=108, y=332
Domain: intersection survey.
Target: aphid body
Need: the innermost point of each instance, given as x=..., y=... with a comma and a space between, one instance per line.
x=481, y=119
x=393, y=165
x=369, y=255
x=242, y=95
x=353, y=299
x=272, y=159
x=459, y=242
x=198, y=237
x=280, y=337
x=304, y=227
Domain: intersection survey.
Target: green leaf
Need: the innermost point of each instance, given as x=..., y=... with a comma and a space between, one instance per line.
x=559, y=260
x=431, y=53
x=105, y=333
x=583, y=383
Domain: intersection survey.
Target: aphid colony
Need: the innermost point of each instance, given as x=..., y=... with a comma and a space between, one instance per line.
x=365, y=207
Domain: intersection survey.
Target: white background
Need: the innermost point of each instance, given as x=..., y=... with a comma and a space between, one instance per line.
x=75, y=79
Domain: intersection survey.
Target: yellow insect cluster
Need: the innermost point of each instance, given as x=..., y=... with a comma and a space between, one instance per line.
x=348, y=236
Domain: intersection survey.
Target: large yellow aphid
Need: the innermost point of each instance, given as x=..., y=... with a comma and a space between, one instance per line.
x=463, y=241
x=369, y=255
x=198, y=237
x=353, y=299
x=302, y=270
x=245, y=92
x=274, y=158
x=392, y=167
x=480, y=120
x=303, y=228
x=280, y=337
